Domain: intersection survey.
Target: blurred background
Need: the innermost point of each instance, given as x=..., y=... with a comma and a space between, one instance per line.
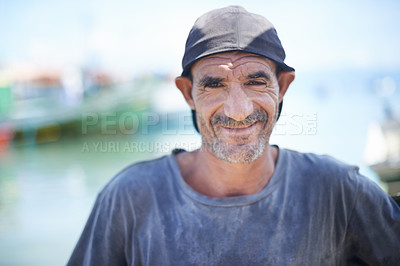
x=87, y=88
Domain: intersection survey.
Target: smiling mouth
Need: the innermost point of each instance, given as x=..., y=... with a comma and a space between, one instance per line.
x=238, y=128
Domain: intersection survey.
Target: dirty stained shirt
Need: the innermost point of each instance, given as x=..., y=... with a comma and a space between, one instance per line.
x=314, y=211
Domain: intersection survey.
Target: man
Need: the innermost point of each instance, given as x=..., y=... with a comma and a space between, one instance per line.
x=238, y=200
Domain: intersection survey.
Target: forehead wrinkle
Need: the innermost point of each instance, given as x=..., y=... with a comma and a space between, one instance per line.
x=215, y=71
x=220, y=64
x=266, y=63
x=228, y=59
x=253, y=72
x=206, y=66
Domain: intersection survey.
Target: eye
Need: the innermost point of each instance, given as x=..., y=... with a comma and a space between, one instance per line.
x=213, y=84
x=256, y=83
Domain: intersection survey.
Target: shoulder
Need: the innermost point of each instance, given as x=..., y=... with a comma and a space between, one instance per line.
x=138, y=179
x=321, y=165
x=332, y=181
x=334, y=178
x=327, y=173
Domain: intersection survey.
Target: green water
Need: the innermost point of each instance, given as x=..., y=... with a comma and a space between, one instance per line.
x=47, y=191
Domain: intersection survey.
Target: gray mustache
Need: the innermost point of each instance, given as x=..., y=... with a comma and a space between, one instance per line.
x=225, y=121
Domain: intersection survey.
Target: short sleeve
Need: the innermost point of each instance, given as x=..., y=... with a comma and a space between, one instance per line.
x=106, y=235
x=373, y=232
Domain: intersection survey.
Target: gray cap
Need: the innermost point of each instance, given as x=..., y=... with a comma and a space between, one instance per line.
x=233, y=29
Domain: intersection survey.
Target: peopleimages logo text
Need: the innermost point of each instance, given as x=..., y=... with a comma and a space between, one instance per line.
x=144, y=123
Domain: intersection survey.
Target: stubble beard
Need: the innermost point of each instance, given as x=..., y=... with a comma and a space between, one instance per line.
x=242, y=152
x=245, y=153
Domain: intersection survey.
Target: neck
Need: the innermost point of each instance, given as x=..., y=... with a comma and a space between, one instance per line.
x=224, y=179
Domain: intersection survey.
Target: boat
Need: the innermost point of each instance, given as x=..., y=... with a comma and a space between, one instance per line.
x=43, y=106
x=382, y=153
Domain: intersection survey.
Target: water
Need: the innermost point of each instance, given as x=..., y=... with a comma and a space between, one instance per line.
x=47, y=190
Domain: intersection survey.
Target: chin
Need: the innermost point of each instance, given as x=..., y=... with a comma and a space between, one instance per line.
x=245, y=153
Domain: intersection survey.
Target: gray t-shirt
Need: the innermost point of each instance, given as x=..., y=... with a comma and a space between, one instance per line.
x=314, y=211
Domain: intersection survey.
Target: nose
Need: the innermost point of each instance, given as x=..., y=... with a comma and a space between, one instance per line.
x=237, y=105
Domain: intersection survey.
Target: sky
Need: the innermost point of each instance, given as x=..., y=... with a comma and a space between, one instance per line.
x=130, y=36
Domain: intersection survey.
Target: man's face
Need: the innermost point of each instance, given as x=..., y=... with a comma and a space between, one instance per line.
x=236, y=96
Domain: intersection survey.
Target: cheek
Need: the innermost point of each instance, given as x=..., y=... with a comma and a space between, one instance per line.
x=203, y=123
x=269, y=102
x=209, y=105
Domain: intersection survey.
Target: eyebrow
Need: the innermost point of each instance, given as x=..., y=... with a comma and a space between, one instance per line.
x=259, y=74
x=209, y=80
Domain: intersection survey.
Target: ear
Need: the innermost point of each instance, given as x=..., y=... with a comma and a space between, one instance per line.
x=284, y=80
x=185, y=86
